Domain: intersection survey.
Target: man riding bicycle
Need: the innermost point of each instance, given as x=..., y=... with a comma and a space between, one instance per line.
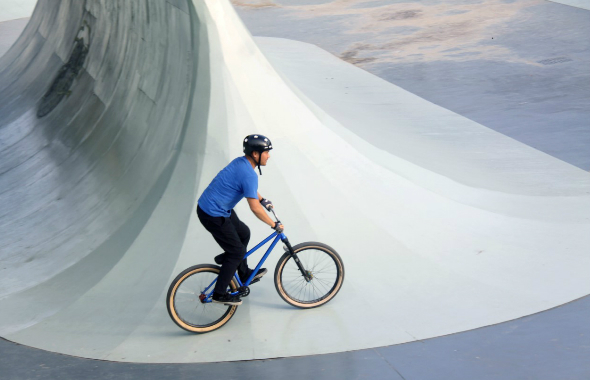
x=215, y=211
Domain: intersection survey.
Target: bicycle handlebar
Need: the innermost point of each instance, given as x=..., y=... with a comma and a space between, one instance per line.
x=276, y=217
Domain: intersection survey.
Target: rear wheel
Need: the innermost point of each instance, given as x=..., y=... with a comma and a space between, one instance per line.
x=189, y=297
x=321, y=263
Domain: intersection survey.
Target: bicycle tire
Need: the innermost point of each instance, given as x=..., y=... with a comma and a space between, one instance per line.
x=183, y=295
x=327, y=270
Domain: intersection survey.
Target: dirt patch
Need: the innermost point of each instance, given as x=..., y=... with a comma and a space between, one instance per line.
x=403, y=15
x=350, y=56
x=461, y=27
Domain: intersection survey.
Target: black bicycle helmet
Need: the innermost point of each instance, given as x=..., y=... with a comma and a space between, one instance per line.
x=256, y=143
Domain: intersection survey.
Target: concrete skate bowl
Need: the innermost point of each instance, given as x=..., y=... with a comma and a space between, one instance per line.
x=115, y=117
x=94, y=110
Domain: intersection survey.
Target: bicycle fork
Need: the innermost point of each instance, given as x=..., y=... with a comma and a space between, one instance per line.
x=306, y=274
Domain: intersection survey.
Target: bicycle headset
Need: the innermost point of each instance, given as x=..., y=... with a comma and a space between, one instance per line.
x=256, y=143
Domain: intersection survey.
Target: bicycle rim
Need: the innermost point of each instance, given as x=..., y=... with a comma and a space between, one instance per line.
x=190, y=313
x=325, y=271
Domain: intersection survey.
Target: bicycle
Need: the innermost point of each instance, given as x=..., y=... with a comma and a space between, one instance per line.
x=307, y=275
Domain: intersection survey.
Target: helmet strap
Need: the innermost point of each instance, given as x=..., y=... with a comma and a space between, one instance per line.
x=258, y=163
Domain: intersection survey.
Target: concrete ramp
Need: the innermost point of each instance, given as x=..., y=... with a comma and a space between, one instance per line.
x=443, y=225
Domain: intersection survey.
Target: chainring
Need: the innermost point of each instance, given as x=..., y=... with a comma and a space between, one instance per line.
x=243, y=291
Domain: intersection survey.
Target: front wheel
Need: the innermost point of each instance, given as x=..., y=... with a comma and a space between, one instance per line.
x=323, y=266
x=189, y=300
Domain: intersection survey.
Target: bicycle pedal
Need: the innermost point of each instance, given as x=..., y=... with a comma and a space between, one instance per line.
x=254, y=281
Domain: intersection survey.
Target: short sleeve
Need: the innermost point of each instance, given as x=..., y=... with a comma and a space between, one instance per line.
x=251, y=186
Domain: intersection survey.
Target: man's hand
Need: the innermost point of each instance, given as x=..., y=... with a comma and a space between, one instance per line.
x=260, y=212
x=278, y=227
x=266, y=204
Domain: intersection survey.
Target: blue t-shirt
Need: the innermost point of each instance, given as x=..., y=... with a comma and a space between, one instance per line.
x=236, y=181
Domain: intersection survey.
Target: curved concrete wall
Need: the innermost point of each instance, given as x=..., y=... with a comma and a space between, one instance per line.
x=78, y=184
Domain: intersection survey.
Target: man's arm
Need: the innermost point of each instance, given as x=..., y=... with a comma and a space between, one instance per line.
x=259, y=211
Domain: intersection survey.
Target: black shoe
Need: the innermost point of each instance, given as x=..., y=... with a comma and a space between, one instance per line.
x=226, y=299
x=260, y=273
x=256, y=278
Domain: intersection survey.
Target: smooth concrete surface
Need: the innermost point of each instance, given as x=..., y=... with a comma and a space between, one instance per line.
x=421, y=133
x=551, y=345
x=448, y=227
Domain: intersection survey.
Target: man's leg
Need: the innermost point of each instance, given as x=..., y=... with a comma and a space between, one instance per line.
x=226, y=235
x=244, y=235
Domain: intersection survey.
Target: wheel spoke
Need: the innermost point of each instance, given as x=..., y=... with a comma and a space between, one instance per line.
x=189, y=308
x=324, y=270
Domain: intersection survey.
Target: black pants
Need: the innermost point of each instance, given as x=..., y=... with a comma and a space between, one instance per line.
x=233, y=237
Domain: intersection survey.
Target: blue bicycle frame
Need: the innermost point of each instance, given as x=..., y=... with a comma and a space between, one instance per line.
x=277, y=236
